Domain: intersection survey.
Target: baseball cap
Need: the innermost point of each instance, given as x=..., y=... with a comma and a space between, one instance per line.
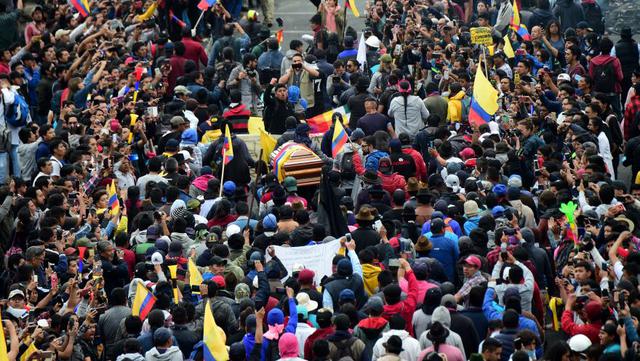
x=515, y=181
x=232, y=229
x=177, y=120
x=85, y=242
x=270, y=224
x=217, y=260
x=564, y=77
x=229, y=187
x=16, y=292
x=162, y=336
x=452, y=181
x=181, y=89
x=157, y=258
x=473, y=261
x=153, y=232
x=290, y=184
x=306, y=276
x=347, y=295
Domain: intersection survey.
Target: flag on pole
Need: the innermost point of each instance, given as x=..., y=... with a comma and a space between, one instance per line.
x=515, y=24
x=81, y=6
x=280, y=36
x=3, y=344
x=195, y=278
x=177, y=19
x=484, y=103
x=206, y=4
x=214, y=339
x=114, y=203
x=148, y=13
x=351, y=4
x=508, y=49
x=339, y=139
x=268, y=144
x=81, y=251
x=227, y=149
x=361, y=56
x=143, y=302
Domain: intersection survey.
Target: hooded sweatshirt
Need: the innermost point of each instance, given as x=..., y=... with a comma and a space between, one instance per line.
x=406, y=307
x=391, y=182
x=370, y=330
x=410, y=346
x=568, y=13
x=131, y=356
x=454, y=110
x=617, y=68
x=441, y=314
x=172, y=353
x=370, y=274
x=411, y=118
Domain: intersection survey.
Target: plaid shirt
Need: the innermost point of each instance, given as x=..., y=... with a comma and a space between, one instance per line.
x=630, y=115
x=476, y=280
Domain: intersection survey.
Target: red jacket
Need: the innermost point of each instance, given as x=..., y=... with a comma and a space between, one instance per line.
x=617, y=68
x=404, y=308
x=391, y=182
x=239, y=117
x=194, y=51
x=421, y=167
x=319, y=334
x=357, y=164
x=590, y=330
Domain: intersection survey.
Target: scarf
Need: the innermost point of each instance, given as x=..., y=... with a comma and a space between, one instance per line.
x=274, y=332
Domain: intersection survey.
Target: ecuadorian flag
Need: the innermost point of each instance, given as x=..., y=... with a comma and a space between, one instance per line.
x=114, y=203
x=227, y=149
x=143, y=303
x=484, y=103
x=516, y=25
x=214, y=338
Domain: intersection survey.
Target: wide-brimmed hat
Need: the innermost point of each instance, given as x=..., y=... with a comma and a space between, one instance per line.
x=305, y=301
x=437, y=332
x=364, y=214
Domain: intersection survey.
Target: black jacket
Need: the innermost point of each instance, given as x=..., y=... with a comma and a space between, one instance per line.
x=463, y=326
x=365, y=237
x=186, y=339
x=275, y=112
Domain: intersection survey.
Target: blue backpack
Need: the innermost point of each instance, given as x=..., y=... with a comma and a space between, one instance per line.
x=16, y=114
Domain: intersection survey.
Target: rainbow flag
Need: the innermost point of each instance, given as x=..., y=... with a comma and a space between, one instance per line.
x=484, y=103
x=322, y=122
x=114, y=203
x=206, y=4
x=280, y=36
x=81, y=6
x=351, y=4
x=143, y=303
x=214, y=348
x=227, y=149
x=339, y=139
x=515, y=24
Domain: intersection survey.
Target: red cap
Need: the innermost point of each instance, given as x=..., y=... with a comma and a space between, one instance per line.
x=467, y=153
x=470, y=163
x=306, y=276
x=219, y=280
x=473, y=261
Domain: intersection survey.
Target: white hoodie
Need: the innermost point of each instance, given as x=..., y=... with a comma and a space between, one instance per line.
x=410, y=346
x=173, y=353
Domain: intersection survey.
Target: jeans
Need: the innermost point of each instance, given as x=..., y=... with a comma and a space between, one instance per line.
x=15, y=163
x=4, y=167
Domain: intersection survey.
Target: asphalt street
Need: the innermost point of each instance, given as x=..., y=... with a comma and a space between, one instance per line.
x=296, y=15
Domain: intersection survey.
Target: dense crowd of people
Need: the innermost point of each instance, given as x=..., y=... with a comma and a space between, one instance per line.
x=128, y=216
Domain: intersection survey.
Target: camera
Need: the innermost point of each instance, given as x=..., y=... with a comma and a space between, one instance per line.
x=252, y=73
x=336, y=79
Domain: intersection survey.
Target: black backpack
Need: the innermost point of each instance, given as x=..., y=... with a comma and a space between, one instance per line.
x=347, y=170
x=344, y=348
x=593, y=16
x=604, y=78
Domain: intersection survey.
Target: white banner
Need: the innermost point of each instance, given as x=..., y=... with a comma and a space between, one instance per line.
x=316, y=258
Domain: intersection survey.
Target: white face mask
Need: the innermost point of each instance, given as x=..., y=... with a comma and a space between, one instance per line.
x=17, y=312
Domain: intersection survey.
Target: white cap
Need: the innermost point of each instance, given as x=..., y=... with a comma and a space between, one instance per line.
x=373, y=41
x=232, y=229
x=297, y=267
x=156, y=258
x=16, y=292
x=564, y=77
x=579, y=343
x=452, y=181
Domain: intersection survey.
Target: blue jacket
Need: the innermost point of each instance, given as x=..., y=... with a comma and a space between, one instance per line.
x=33, y=78
x=471, y=224
x=371, y=162
x=271, y=59
x=446, y=251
